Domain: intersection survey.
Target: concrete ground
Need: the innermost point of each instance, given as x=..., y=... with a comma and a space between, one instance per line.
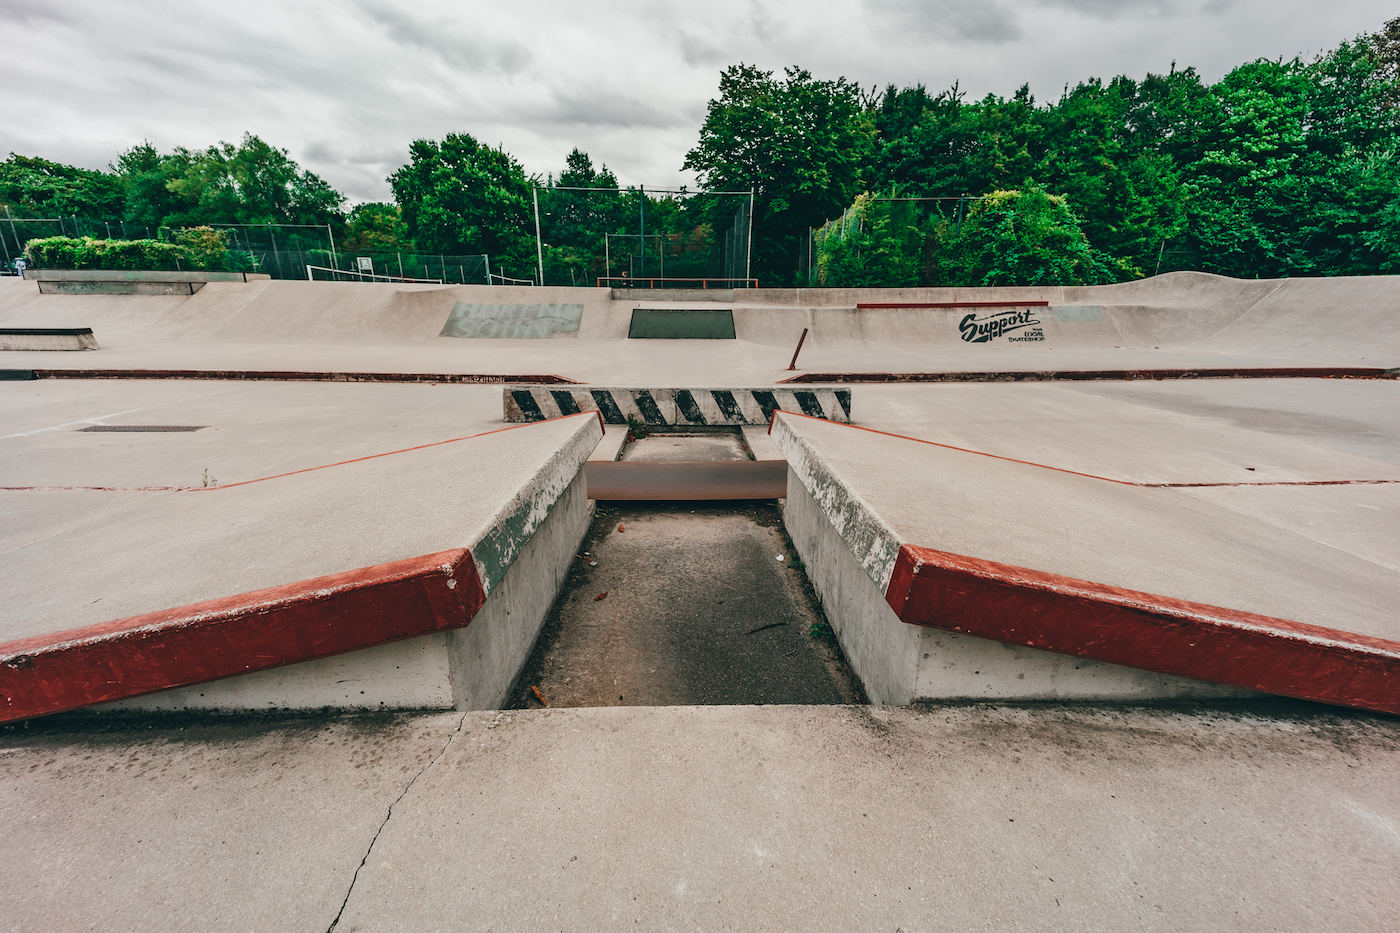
x=1279, y=816
x=1253, y=816
x=653, y=639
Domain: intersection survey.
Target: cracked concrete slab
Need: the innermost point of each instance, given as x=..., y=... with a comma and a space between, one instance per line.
x=198, y=824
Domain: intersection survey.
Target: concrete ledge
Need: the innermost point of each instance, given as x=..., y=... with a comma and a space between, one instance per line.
x=249, y=632
x=1114, y=636
x=132, y=275
x=676, y=406
x=47, y=338
x=1144, y=630
x=420, y=598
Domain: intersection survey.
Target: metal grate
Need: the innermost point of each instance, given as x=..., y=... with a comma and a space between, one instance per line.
x=144, y=428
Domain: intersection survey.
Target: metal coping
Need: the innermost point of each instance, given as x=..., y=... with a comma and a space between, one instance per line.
x=44, y=331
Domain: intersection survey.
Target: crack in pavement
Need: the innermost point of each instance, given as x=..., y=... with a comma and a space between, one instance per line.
x=389, y=815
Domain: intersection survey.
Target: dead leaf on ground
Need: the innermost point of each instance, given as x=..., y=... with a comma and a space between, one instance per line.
x=602, y=595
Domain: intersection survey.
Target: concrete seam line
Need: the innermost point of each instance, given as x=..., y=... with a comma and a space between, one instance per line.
x=238, y=634
x=388, y=814
x=1080, y=618
x=871, y=539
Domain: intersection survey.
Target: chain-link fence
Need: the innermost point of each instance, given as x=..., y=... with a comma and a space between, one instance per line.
x=283, y=251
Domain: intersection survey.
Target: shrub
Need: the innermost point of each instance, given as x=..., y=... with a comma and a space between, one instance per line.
x=60, y=252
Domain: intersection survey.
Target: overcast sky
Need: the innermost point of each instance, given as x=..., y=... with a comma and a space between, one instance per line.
x=345, y=86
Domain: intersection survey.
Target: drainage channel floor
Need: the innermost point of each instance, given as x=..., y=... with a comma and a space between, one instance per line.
x=688, y=605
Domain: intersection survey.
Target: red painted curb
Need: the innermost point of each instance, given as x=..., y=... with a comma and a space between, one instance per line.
x=293, y=376
x=238, y=634
x=863, y=305
x=1096, y=375
x=1143, y=630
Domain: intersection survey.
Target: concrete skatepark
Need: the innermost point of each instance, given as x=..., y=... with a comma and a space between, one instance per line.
x=1076, y=563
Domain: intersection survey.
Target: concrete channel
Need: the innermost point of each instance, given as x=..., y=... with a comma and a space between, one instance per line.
x=682, y=602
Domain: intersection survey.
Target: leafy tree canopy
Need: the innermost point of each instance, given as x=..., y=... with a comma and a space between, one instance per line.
x=376, y=226
x=251, y=183
x=35, y=187
x=800, y=142
x=459, y=196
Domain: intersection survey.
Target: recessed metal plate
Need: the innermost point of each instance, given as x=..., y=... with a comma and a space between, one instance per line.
x=143, y=428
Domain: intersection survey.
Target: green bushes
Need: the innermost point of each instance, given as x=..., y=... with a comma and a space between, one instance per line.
x=198, y=248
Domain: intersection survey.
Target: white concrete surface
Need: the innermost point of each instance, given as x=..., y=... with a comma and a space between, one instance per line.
x=1073, y=818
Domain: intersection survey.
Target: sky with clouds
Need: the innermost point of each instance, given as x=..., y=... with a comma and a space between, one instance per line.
x=346, y=85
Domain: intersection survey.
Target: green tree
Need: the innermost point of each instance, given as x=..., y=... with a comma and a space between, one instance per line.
x=874, y=244
x=459, y=196
x=37, y=187
x=1026, y=237
x=799, y=142
x=251, y=183
x=376, y=226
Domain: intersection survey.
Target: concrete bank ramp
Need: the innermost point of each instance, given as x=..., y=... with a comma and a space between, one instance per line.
x=1181, y=320
x=413, y=578
x=1347, y=317
x=953, y=573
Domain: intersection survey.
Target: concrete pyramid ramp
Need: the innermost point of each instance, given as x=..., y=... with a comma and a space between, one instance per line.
x=1079, y=585
x=433, y=566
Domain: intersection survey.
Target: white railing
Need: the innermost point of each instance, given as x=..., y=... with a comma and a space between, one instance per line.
x=367, y=276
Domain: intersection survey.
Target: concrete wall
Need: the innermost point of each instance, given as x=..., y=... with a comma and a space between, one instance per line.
x=486, y=656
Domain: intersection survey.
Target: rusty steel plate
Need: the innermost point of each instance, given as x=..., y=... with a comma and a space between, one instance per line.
x=632, y=480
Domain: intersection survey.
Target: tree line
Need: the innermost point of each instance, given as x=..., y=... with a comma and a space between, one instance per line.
x=1282, y=167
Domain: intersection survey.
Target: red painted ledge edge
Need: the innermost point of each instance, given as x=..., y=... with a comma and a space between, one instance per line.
x=1142, y=630
x=238, y=634
x=257, y=375
x=1107, y=375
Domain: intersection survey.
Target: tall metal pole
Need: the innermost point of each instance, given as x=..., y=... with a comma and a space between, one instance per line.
x=331, y=236
x=539, y=244
x=748, y=246
x=607, y=260
x=486, y=260
x=642, y=240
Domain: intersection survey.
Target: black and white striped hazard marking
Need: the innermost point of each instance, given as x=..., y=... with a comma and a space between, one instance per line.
x=676, y=406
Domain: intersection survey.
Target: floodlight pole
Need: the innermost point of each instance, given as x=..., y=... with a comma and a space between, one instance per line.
x=748, y=244
x=539, y=244
x=642, y=237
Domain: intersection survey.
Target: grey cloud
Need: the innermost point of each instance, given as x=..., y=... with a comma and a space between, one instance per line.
x=764, y=27
x=436, y=39
x=700, y=53
x=31, y=11
x=605, y=108
x=1105, y=10
x=985, y=21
